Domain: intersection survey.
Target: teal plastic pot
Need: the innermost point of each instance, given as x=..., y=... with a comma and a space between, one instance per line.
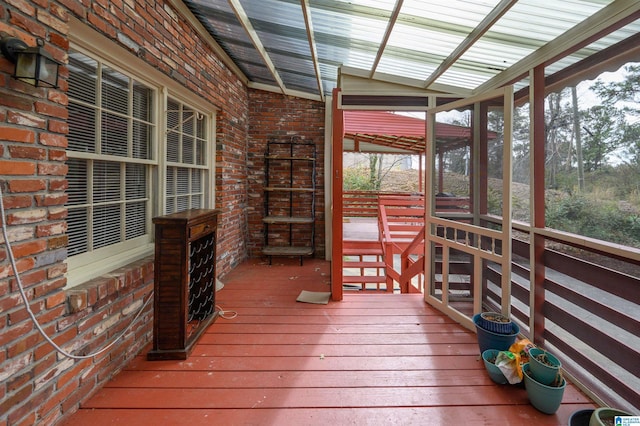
x=600, y=414
x=544, y=398
x=494, y=372
x=490, y=340
x=544, y=373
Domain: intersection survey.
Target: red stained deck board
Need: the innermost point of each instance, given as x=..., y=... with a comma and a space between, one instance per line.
x=315, y=362
x=337, y=339
x=252, y=398
x=297, y=379
x=391, y=349
x=402, y=416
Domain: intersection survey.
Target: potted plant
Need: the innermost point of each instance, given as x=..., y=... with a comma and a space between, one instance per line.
x=580, y=417
x=489, y=358
x=545, y=367
x=545, y=398
x=488, y=339
x=605, y=416
x=495, y=322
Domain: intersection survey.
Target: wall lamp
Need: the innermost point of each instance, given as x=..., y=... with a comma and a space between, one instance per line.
x=34, y=65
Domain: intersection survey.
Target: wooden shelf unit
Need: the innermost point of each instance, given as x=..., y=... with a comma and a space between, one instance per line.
x=184, y=281
x=289, y=198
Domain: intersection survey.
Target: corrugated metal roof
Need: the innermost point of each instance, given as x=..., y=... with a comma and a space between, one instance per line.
x=298, y=46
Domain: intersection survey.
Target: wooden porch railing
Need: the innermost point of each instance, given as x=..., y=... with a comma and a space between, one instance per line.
x=588, y=315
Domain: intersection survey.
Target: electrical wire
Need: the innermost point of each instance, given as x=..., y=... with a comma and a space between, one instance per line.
x=32, y=315
x=228, y=315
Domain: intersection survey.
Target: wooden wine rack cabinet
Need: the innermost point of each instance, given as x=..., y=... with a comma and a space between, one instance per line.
x=184, y=281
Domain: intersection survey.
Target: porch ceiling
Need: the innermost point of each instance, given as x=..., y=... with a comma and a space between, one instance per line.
x=300, y=47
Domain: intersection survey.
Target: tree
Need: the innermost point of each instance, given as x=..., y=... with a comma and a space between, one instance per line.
x=603, y=125
x=624, y=95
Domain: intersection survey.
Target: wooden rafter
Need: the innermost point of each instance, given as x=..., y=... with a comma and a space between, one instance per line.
x=306, y=12
x=383, y=44
x=469, y=41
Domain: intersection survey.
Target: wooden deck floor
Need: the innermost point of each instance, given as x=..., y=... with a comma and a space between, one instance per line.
x=381, y=359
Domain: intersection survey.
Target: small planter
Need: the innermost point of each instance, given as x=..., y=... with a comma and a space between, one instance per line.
x=495, y=322
x=489, y=358
x=580, y=417
x=545, y=367
x=490, y=340
x=546, y=399
x=604, y=416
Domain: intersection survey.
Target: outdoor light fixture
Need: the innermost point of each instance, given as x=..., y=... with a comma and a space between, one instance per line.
x=34, y=65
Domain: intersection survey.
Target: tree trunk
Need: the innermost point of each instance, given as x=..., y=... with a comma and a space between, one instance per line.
x=578, y=137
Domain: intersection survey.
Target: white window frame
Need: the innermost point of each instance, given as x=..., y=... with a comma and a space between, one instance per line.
x=86, y=266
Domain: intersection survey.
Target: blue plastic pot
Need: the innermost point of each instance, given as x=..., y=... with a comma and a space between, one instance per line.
x=544, y=398
x=543, y=373
x=494, y=372
x=490, y=340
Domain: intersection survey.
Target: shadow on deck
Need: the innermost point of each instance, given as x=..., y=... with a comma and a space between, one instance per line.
x=370, y=359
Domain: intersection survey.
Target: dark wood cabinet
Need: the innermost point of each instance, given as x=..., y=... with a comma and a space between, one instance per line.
x=184, y=281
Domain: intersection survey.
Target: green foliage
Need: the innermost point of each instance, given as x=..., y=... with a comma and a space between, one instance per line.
x=357, y=179
x=596, y=219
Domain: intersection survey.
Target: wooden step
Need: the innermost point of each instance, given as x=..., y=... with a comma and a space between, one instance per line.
x=364, y=279
x=363, y=264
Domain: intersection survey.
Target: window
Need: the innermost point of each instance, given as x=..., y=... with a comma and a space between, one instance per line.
x=186, y=161
x=135, y=150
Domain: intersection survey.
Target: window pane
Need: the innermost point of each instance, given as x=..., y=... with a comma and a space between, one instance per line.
x=142, y=102
x=82, y=128
x=106, y=225
x=136, y=183
x=106, y=182
x=173, y=147
x=77, y=180
x=187, y=149
x=136, y=224
x=77, y=225
x=200, y=153
x=115, y=91
x=82, y=78
x=196, y=180
x=141, y=140
x=114, y=135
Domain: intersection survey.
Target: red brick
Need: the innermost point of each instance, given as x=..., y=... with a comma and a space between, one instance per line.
x=17, y=201
x=55, y=228
x=52, y=110
x=52, y=169
x=12, y=100
x=28, y=24
x=53, y=139
x=15, y=332
x=57, y=242
x=27, y=185
x=28, y=249
x=58, y=185
x=51, y=200
x=26, y=119
x=57, y=126
x=28, y=152
x=15, y=134
x=22, y=168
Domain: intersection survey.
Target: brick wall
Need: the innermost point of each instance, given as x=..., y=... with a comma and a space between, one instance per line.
x=37, y=385
x=272, y=115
